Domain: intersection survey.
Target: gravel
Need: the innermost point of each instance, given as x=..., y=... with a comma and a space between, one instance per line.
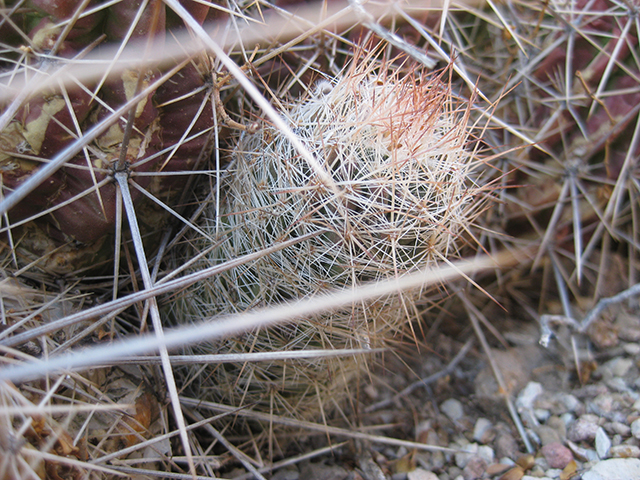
x=587, y=430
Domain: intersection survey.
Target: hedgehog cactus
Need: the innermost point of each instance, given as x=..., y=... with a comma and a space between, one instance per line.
x=169, y=128
x=396, y=146
x=573, y=76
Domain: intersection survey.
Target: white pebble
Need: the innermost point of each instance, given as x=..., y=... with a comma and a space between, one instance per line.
x=553, y=473
x=421, y=474
x=463, y=457
x=570, y=402
x=481, y=429
x=603, y=444
x=620, y=366
x=452, y=408
x=631, y=348
x=635, y=428
x=542, y=414
x=528, y=395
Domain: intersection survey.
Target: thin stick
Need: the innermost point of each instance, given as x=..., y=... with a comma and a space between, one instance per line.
x=234, y=324
x=122, y=179
x=319, y=427
x=169, y=287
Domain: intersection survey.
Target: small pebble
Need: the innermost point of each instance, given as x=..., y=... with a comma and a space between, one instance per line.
x=631, y=348
x=625, y=451
x=483, y=431
x=570, y=402
x=585, y=454
x=557, y=455
x=516, y=473
x=463, y=457
x=617, y=384
x=528, y=395
x=553, y=473
x=497, y=468
x=583, y=429
x=506, y=446
x=453, y=409
x=486, y=453
x=421, y=474
x=602, y=404
x=559, y=426
x=618, y=428
x=541, y=464
x=548, y=435
x=603, y=444
x=475, y=468
x=567, y=418
x=635, y=428
x=620, y=366
x=541, y=414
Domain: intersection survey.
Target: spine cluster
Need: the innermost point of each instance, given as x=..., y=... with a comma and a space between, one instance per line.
x=397, y=149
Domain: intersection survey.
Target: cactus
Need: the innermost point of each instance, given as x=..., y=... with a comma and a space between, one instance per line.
x=567, y=120
x=396, y=143
x=68, y=223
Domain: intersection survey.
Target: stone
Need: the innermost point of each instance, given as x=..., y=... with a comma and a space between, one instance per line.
x=483, y=431
x=486, y=453
x=625, y=451
x=603, y=444
x=585, y=454
x=528, y=395
x=619, y=366
x=515, y=473
x=506, y=446
x=497, y=469
x=635, y=428
x=617, y=384
x=421, y=474
x=541, y=414
x=557, y=455
x=632, y=349
x=559, y=426
x=614, y=469
x=602, y=404
x=553, y=473
x=453, y=409
x=567, y=418
x=548, y=435
x=583, y=429
x=570, y=402
x=474, y=469
x=618, y=428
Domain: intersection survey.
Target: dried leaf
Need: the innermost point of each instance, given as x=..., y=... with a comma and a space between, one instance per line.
x=516, y=473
